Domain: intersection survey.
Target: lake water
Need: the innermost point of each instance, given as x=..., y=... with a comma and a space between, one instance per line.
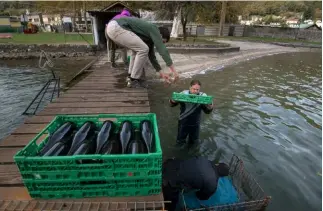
x=21, y=80
x=268, y=112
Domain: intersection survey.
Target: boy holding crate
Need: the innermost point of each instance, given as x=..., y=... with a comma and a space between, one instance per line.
x=190, y=115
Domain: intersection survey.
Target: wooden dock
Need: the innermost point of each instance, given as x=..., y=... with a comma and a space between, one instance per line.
x=102, y=91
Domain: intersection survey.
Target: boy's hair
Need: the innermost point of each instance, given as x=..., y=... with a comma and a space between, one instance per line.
x=194, y=82
x=164, y=33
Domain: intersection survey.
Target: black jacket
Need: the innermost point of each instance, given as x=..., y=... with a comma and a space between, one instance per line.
x=190, y=113
x=194, y=173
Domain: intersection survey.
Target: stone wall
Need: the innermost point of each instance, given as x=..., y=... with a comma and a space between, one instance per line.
x=212, y=29
x=313, y=35
x=25, y=51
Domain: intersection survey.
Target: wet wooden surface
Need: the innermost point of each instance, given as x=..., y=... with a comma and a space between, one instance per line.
x=103, y=91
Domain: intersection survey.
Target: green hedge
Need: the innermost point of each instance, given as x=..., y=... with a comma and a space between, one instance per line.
x=9, y=29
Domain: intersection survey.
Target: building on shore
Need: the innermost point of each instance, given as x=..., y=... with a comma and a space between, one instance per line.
x=10, y=24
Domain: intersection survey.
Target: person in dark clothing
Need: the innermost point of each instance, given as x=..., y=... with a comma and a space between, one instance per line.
x=195, y=173
x=190, y=115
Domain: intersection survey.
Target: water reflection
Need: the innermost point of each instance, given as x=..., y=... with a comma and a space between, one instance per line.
x=268, y=112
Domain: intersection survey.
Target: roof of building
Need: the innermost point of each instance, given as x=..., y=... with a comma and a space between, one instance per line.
x=113, y=8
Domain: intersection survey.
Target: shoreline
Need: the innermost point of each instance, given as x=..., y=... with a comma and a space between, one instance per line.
x=12, y=51
x=192, y=64
x=188, y=61
x=32, y=51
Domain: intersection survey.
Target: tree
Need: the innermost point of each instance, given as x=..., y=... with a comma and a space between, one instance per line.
x=186, y=9
x=222, y=19
x=208, y=12
x=309, y=12
x=187, y=14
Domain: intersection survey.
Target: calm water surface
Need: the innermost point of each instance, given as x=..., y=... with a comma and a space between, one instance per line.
x=21, y=80
x=268, y=112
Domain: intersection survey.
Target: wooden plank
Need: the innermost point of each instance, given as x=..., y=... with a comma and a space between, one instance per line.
x=10, y=175
x=108, y=74
x=97, y=83
x=96, y=95
x=39, y=119
x=6, y=154
x=100, y=99
x=106, y=77
x=20, y=140
x=17, y=140
x=21, y=193
x=14, y=193
x=106, y=87
x=29, y=129
x=110, y=110
x=120, y=81
x=105, y=91
x=104, y=80
x=98, y=104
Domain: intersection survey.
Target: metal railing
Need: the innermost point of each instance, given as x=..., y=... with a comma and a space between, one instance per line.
x=34, y=105
x=251, y=195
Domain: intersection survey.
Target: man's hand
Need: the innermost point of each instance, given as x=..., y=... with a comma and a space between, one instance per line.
x=173, y=101
x=165, y=77
x=175, y=74
x=210, y=106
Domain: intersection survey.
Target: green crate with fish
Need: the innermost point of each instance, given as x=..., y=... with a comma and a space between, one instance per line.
x=80, y=188
x=104, y=147
x=99, y=191
x=192, y=98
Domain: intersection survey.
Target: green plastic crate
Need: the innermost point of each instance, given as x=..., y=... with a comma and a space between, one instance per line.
x=35, y=169
x=87, y=174
x=191, y=98
x=72, y=185
x=99, y=192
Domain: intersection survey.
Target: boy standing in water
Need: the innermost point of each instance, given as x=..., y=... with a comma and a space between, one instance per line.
x=190, y=115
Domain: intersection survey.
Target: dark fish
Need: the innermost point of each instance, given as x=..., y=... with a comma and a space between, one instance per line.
x=58, y=149
x=136, y=145
x=125, y=135
x=103, y=135
x=84, y=138
x=62, y=134
x=147, y=133
x=112, y=147
x=84, y=148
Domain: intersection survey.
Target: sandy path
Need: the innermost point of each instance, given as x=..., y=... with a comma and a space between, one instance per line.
x=189, y=64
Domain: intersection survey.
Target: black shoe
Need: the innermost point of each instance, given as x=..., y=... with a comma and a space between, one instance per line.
x=143, y=83
x=135, y=84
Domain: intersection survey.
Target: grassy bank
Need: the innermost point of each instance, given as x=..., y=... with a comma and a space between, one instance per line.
x=49, y=38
